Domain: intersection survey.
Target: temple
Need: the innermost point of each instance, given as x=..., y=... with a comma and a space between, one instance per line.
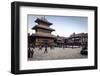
x=42, y=35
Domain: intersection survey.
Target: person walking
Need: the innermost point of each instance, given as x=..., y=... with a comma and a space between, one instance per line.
x=45, y=49
x=40, y=47
x=32, y=53
x=29, y=54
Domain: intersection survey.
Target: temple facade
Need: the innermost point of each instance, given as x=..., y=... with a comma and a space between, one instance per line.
x=43, y=33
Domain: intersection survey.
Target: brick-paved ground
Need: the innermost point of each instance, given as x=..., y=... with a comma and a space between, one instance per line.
x=57, y=53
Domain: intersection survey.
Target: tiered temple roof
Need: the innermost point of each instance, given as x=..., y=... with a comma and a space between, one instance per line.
x=44, y=25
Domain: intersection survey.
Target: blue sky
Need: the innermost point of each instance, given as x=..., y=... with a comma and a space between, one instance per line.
x=63, y=25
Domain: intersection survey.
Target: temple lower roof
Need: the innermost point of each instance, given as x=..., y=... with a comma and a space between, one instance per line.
x=43, y=35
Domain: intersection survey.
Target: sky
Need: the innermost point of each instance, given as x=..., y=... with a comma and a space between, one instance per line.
x=63, y=25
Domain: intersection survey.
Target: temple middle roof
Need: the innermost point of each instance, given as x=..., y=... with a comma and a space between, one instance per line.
x=43, y=27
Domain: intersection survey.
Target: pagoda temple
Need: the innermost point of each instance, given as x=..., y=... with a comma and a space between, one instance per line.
x=42, y=35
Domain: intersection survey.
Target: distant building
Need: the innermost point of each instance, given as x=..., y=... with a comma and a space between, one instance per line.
x=42, y=35
x=59, y=41
x=77, y=39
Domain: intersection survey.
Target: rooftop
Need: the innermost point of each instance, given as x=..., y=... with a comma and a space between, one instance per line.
x=79, y=35
x=43, y=20
x=43, y=35
x=43, y=27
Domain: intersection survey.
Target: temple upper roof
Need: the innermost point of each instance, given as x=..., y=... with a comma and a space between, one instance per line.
x=43, y=20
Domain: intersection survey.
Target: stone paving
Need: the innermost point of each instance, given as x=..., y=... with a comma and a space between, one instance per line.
x=57, y=53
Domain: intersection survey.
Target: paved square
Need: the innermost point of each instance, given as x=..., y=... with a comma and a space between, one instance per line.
x=57, y=53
